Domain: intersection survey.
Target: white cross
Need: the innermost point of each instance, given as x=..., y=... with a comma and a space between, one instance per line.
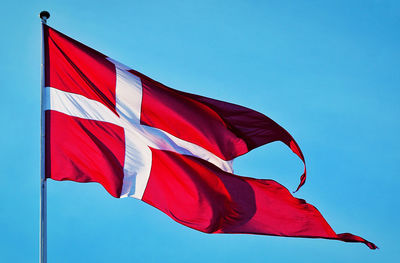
x=138, y=137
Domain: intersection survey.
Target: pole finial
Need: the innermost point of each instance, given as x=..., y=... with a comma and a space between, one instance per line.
x=44, y=15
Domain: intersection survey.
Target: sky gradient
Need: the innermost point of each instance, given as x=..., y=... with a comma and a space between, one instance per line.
x=329, y=73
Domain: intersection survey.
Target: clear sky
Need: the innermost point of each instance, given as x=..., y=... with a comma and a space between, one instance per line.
x=327, y=71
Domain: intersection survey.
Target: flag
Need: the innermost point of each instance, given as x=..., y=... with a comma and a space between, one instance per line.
x=109, y=124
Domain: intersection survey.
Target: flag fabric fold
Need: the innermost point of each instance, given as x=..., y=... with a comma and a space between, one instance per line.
x=109, y=124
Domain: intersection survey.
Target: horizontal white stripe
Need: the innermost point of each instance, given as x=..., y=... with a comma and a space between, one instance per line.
x=78, y=106
x=162, y=140
x=138, y=137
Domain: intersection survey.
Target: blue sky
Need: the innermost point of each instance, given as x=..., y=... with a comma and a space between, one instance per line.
x=327, y=71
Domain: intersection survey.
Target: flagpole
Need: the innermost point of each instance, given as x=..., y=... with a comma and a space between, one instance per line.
x=44, y=15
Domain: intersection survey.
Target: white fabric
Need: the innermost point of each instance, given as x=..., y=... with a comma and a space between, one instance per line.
x=78, y=106
x=137, y=163
x=138, y=138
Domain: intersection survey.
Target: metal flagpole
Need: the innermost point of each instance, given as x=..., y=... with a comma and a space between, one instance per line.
x=44, y=15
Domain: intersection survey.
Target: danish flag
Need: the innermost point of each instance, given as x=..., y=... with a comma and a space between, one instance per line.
x=109, y=124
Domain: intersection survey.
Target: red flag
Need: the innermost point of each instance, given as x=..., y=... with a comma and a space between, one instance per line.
x=109, y=124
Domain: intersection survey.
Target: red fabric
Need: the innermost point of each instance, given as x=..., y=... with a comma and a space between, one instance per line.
x=226, y=129
x=84, y=151
x=190, y=190
x=197, y=194
x=76, y=68
x=189, y=120
x=77, y=149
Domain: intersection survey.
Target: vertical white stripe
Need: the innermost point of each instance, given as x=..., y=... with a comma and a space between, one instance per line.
x=138, y=159
x=128, y=92
x=137, y=165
